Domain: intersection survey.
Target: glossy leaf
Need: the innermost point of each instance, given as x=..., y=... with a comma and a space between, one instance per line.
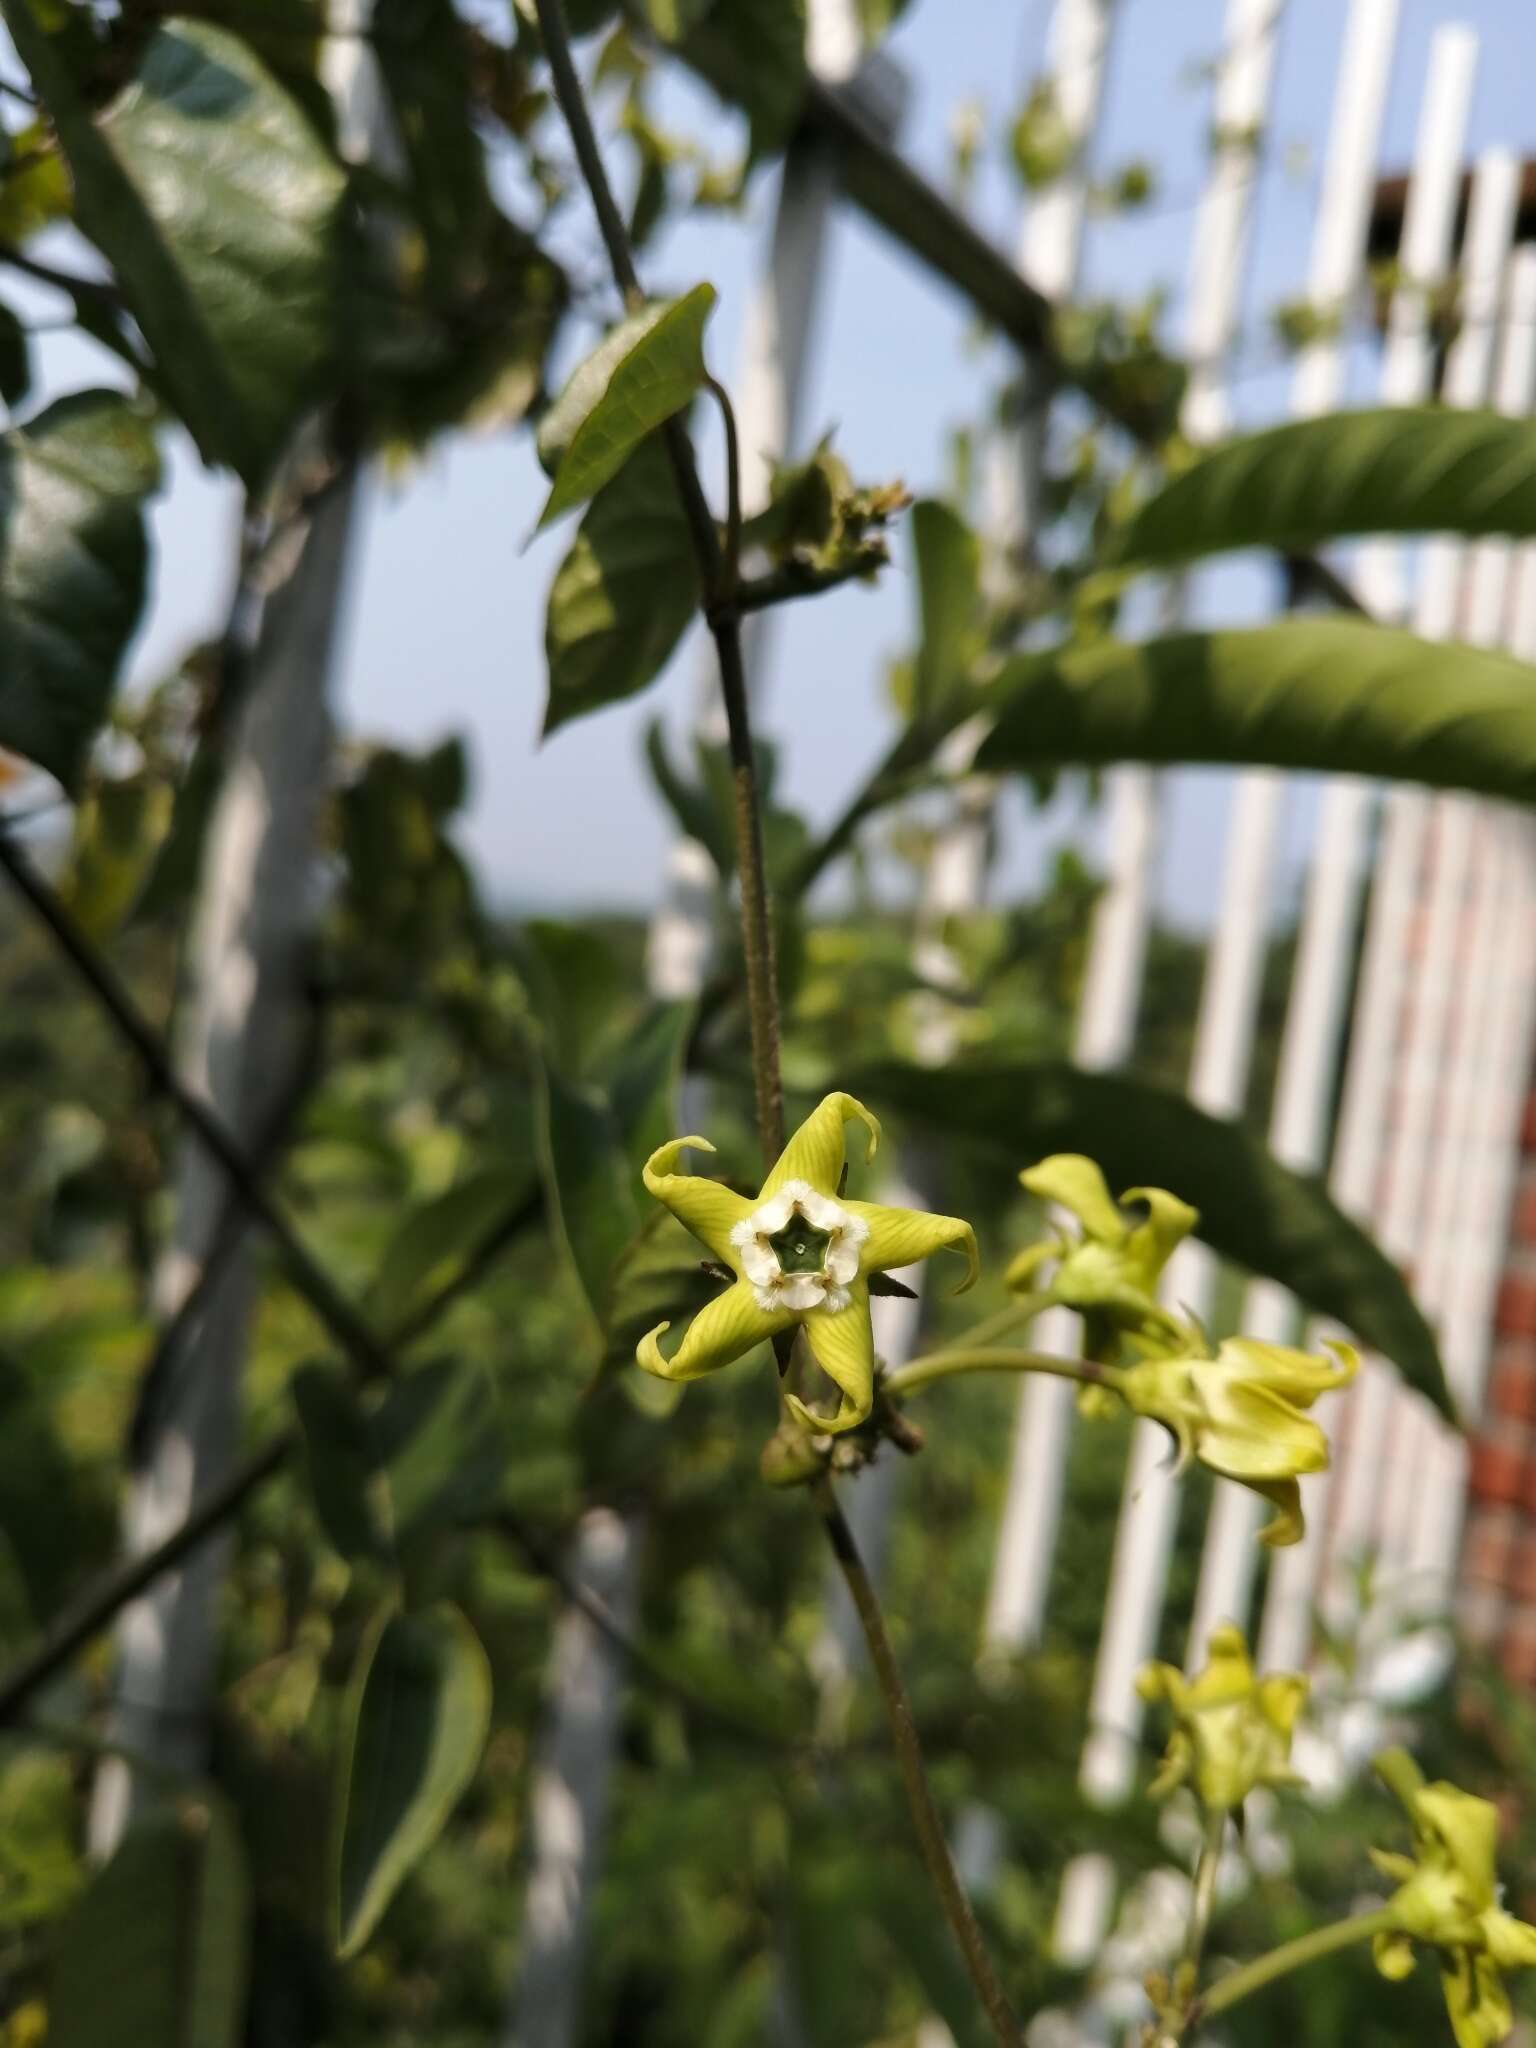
x=622, y=598
x=1421, y=469
x=15, y=358
x=427, y=1456
x=948, y=589
x=435, y=1239
x=156, y=1950
x=415, y=1722
x=622, y=393
x=1334, y=694
x=72, y=571
x=1254, y=1211
x=588, y=1183
x=218, y=206
x=645, y=1078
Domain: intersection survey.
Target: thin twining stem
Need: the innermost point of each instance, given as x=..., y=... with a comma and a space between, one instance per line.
x=967, y=1358
x=723, y=614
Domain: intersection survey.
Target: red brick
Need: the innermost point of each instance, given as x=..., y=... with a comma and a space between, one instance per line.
x=1518, y=1651
x=1480, y=1612
x=1515, y=1314
x=1522, y=1582
x=1512, y=1386
x=1489, y=1543
x=1522, y=1221
x=1498, y=1466
x=1528, y=1125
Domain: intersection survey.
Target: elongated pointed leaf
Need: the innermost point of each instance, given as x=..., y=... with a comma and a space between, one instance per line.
x=948, y=586
x=588, y=1183
x=1419, y=469
x=156, y=1950
x=622, y=394
x=622, y=598
x=416, y=1721
x=218, y=206
x=1277, y=1223
x=1333, y=694
x=73, y=557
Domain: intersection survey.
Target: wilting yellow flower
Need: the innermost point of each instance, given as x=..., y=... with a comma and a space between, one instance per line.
x=801, y=1253
x=1448, y=1897
x=1231, y=1728
x=1111, y=1267
x=1240, y=1414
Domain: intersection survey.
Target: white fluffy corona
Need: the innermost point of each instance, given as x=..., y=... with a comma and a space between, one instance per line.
x=775, y=1289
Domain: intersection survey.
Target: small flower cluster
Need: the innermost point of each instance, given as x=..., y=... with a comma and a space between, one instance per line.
x=1237, y=1408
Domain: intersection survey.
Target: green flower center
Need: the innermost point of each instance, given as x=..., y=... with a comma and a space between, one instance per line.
x=799, y=1248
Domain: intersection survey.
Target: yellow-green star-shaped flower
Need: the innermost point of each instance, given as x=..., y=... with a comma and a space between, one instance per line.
x=1448, y=1897
x=1240, y=1414
x=1111, y=1267
x=1231, y=1729
x=801, y=1253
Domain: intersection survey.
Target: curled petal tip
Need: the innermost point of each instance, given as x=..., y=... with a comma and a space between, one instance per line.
x=648, y=1352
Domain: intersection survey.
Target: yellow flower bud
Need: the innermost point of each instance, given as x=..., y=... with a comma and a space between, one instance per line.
x=1240, y=1413
x=1109, y=1270
x=1448, y=1898
x=1231, y=1729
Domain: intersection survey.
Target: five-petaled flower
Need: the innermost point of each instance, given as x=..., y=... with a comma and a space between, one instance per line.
x=1448, y=1897
x=801, y=1253
x=1231, y=1728
x=1109, y=1270
x=1240, y=1414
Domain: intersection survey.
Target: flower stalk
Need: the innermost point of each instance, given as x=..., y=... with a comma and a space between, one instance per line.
x=723, y=615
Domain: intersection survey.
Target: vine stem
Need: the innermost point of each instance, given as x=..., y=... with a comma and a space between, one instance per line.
x=909, y=1757
x=1204, y=1896
x=968, y=1358
x=722, y=611
x=1280, y=1962
x=308, y=1276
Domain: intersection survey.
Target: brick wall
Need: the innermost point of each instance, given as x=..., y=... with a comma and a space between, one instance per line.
x=1496, y=1603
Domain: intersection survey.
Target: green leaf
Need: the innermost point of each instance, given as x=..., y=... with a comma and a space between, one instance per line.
x=119, y=830
x=1418, y=469
x=416, y=1718
x=619, y=395
x=428, y=1456
x=218, y=207
x=156, y=1950
x=15, y=358
x=753, y=54
x=436, y=1237
x=948, y=592
x=646, y=1077
x=72, y=489
x=588, y=1184
x=1339, y=695
x=624, y=595
x=1277, y=1223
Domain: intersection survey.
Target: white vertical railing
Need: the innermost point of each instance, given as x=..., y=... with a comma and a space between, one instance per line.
x=1050, y=250
x=1463, y=1235
x=1327, y=943
x=1410, y=1041
x=1137, y=1573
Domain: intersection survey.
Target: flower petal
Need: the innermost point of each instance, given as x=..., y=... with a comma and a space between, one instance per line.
x=815, y=1152
x=722, y=1330
x=1475, y=1998
x=844, y=1346
x=1250, y=1432
x=1297, y=1376
x=1076, y=1183
x=1169, y=1221
x=1024, y=1265
x=899, y=1237
x=1469, y=1829
x=1511, y=1942
x=1288, y=1526
x=707, y=1207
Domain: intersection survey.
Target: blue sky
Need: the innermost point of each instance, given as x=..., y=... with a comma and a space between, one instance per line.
x=446, y=619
